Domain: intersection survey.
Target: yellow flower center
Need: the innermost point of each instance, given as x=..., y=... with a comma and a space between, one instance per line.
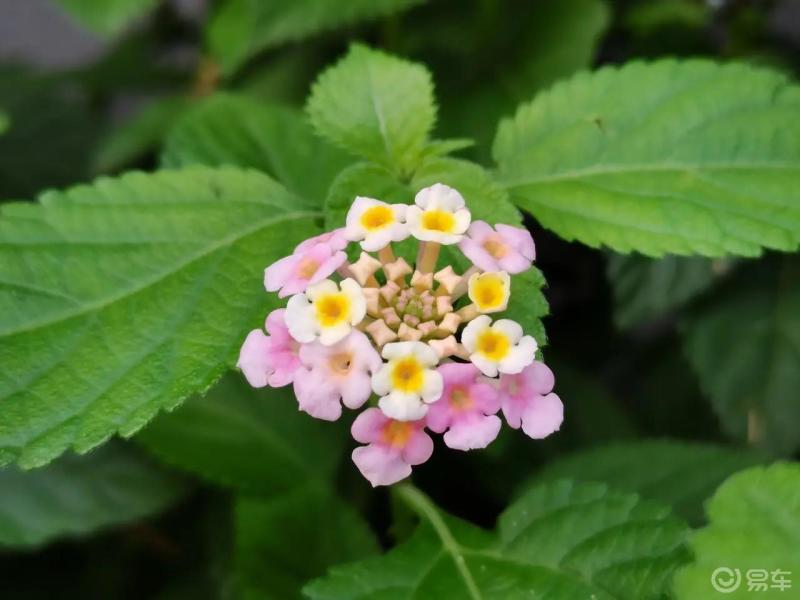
x=340, y=363
x=377, y=217
x=307, y=268
x=397, y=433
x=332, y=309
x=488, y=291
x=495, y=246
x=493, y=345
x=438, y=220
x=407, y=375
x=460, y=399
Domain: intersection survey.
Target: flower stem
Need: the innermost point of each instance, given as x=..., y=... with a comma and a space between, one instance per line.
x=386, y=254
x=427, y=257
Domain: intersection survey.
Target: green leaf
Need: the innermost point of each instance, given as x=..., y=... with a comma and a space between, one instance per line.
x=561, y=540
x=4, y=122
x=107, y=17
x=256, y=441
x=284, y=541
x=680, y=474
x=375, y=105
x=124, y=297
x=232, y=130
x=139, y=135
x=744, y=345
x=754, y=524
x=241, y=28
x=663, y=157
x=77, y=495
x=645, y=289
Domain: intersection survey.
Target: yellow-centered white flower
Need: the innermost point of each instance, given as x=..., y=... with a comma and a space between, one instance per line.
x=498, y=347
x=375, y=223
x=408, y=381
x=326, y=311
x=438, y=215
x=490, y=291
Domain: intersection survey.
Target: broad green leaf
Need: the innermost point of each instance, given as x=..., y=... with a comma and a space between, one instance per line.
x=680, y=474
x=754, y=523
x=4, y=121
x=375, y=105
x=241, y=28
x=256, y=441
x=139, y=135
x=744, y=345
x=284, y=541
x=232, y=130
x=663, y=157
x=560, y=540
x=79, y=494
x=645, y=289
x=107, y=17
x=124, y=297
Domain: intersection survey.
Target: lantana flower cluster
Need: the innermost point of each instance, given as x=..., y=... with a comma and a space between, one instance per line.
x=417, y=345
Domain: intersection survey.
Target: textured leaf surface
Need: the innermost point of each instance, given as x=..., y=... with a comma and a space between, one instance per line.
x=664, y=157
x=233, y=130
x=107, y=17
x=124, y=297
x=744, y=345
x=79, y=494
x=754, y=524
x=286, y=540
x=254, y=440
x=241, y=28
x=375, y=105
x=645, y=289
x=680, y=474
x=560, y=540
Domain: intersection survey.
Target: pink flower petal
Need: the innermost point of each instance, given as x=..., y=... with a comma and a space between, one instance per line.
x=486, y=397
x=539, y=378
x=474, y=251
x=513, y=263
x=316, y=398
x=543, y=416
x=380, y=465
x=438, y=416
x=418, y=449
x=253, y=358
x=521, y=239
x=355, y=390
x=368, y=426
x=472, y=432
x=278, y=273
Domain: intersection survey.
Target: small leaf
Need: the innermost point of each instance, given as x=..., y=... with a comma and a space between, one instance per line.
x=645, y=289
x=107, y=17
x=256, y=441
x=284, y=541
x=235, y=130
x=560, y=540
x=375, y=105
x=663, y=157
x=124, y=297
x=77, y=495
x=754, y=524
x=680, y=474
x=241, y=28
x=744, y=345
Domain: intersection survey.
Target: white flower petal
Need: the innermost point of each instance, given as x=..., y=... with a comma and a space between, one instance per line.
x=469, y=337
x=358, y=303
x=330, y=335
x=300, y=319
x=432, y=387
x=423, y=353
x=486, y=366
x=463, y=219
x=382, y=380
x=519, y=357
x=402, y=407
x=397, y=349
x=323, y=287
x=511, y=328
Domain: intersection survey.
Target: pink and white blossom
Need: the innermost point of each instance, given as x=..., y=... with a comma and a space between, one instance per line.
x=527, y=400
x=335, y=239
x=334, y=375
x=270, y=360
x=309, y=264
x=466, y=410
x=393, y=447
x=504, y=248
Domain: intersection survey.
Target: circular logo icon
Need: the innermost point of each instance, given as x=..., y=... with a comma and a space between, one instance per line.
x=726, y=580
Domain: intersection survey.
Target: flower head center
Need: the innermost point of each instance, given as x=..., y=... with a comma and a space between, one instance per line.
x=377, y=217
x=341, y=363
x=493, y=345
x=438, y=220
x=460, y=398
x=306, y=268
x=495, y=246
x=407, y=375
x=397, y=433
x=332, y=309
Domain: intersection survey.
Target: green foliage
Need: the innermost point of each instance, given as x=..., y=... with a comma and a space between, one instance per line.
x=125, y=297
x=377, y=106
x=270, y=562
x=663, y=157
x=241, y=28
x=139, y=135
x=680, y=474
x=107, y=17
x=232, y=130
x=4, y=122
x=77, y=495
x=645, y=289
x=565, y=540
x=754, y=524
x=256, y=441
x=744, y=344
